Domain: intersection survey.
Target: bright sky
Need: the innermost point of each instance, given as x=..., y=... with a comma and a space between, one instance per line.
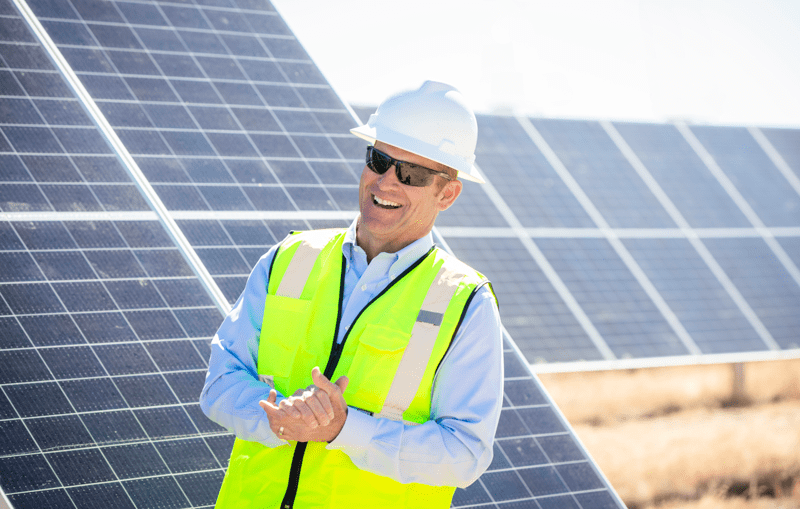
x=705, y=61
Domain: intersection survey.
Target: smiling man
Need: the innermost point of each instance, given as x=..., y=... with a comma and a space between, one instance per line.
x=411, y=336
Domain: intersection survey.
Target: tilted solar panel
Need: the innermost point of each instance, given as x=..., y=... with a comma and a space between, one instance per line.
x=612, y=256
x=127, y=227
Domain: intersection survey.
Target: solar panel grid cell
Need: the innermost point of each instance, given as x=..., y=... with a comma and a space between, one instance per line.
x=753, y=174
x=603, y=174
x=696, y=296
x=787, y=143
x=764, y=282
x=524, y=178
x=682, y=175
x=612, y=297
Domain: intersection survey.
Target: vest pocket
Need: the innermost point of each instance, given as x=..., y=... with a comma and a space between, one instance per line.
x=283, y=329
x=374, y=366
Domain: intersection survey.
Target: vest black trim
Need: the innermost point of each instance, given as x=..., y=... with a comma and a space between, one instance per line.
x=461, y=318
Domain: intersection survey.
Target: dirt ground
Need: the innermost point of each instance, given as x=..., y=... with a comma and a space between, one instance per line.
x=676, y=438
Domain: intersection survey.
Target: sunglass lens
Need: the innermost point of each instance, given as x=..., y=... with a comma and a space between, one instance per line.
x=377, y=161
x=414, y=176
x=407, y=173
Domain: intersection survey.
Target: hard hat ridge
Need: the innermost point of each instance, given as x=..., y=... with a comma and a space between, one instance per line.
x=433, y=121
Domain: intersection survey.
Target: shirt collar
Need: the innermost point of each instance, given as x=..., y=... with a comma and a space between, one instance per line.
x=403, y=258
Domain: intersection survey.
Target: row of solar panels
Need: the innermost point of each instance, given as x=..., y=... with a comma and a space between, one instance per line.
x=150, y=153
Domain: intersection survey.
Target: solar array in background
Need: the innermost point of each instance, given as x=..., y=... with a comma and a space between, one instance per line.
x=610, y=241
x=117, y=258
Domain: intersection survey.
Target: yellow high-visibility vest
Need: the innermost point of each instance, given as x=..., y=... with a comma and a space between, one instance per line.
x=390, y=354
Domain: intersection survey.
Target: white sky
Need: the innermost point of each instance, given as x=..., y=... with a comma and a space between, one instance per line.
x=705, y=61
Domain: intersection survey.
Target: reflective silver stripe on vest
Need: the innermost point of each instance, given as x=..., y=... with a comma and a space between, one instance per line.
x=420, y=346
x=294, y=280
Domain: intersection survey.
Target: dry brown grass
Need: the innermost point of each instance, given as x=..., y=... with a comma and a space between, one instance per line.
x=680, y=454
x=712, y=502
x=665, y=438
x=604, y=396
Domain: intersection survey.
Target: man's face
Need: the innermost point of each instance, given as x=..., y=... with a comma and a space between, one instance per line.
x=394, y=215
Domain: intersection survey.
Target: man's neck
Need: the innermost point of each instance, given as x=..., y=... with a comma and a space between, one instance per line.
x=373, y=247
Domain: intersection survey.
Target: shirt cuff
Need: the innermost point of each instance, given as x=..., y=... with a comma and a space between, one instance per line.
x=357, y=432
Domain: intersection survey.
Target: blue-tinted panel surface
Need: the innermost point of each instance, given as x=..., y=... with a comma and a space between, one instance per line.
x=229, y=249
x=105, y=324
x=53, y=158
x=696, y=296
x=764, y=283
x=523, y=177
x=792, y=247
x=682, y=175
x=604, y=174
x=787, y=143
x=196, y=93
x=753, y=173
x=532, y=311
x=612, y=298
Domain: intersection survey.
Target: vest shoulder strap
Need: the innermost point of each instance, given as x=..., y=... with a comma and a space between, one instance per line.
x=310, y=245
x=452, y=273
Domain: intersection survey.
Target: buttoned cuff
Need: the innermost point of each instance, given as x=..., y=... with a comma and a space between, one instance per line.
x=357, y=432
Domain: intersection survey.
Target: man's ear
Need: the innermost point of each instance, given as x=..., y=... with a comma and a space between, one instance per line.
x=449, y=193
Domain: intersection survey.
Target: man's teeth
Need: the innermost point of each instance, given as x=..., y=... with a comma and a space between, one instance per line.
x=385, y=203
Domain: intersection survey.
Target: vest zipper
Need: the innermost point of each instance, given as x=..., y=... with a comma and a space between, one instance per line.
x=333, y=360
x=330, y=368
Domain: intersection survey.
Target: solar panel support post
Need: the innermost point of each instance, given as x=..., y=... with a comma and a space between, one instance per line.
x=738, y=390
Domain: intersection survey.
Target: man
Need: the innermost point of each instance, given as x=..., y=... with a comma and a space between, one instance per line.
x=411, y=336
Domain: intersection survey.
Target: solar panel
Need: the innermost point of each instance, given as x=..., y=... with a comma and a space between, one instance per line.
x=133, y=212
x=609, y=258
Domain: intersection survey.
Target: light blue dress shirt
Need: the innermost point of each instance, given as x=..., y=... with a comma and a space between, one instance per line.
x=452, y=449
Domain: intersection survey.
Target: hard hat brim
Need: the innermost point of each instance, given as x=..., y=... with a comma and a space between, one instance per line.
x=370, y=134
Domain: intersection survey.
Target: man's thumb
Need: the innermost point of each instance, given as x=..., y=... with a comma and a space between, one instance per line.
x=342, y=383
x=323, y=383
x=320, y=380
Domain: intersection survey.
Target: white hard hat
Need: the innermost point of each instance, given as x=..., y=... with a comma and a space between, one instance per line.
x=433, y=122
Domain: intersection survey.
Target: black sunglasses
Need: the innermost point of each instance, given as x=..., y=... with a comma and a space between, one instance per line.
x=407, y=173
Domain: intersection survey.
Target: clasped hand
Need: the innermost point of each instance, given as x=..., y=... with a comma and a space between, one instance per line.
x=314, y=414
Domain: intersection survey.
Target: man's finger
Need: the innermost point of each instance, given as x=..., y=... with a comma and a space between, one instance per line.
x=287, y=405
x=319, y=403
x=269, y=404
x=307, y=414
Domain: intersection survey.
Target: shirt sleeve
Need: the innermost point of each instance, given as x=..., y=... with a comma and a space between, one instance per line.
x=232, y=389
x=455, y=447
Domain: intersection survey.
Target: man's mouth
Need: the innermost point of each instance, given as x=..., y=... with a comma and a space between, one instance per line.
x=384, y=204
